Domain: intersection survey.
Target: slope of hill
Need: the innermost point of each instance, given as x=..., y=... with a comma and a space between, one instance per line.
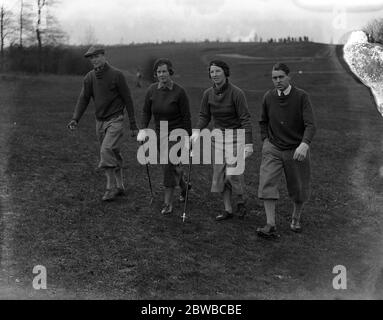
x=126, y=249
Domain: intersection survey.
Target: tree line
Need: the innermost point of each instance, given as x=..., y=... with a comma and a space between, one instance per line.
x=31, y=40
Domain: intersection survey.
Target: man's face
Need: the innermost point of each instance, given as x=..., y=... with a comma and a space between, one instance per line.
x=97, y=60
x=217, y=75
x=280, y=79
x=163, y=74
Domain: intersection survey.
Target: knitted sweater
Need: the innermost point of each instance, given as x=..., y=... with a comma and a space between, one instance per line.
x=228, y=108
x=110, y=94
x=287, y=121
x=167, y=105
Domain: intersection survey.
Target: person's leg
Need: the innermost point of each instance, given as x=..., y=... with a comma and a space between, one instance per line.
x=110, y=178
x=237, y=183
x=110, y=137
x=169, y=184
x=298, y=185
x=270, y=211
x=296, y=216
x=168, y=197
x=226, y=196
x=119, y=179
x=269, y=180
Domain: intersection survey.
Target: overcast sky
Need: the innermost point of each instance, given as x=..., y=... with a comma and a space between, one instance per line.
x=126, y=21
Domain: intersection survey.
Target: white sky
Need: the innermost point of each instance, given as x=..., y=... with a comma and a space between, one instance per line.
x=126, y=21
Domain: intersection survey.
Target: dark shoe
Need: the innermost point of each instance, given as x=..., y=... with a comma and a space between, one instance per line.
x=241, y=210
x=183, y=194
x=268, y=231
x=224, y=216
x=120, y=192
x=166, y=209
x=109, y=195
x=295, y=226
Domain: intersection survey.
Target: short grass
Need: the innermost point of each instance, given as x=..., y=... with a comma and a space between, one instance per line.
x=53, y=216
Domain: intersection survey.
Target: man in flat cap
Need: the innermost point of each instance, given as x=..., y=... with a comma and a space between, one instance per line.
x=111, y=94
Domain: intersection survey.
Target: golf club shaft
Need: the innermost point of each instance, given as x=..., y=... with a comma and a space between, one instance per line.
x=148, y=174
x=187, y=186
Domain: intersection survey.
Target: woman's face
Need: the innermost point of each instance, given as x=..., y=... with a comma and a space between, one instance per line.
x=163, y=74
x=217, y=75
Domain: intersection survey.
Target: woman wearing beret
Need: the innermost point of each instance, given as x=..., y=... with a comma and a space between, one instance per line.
x=167, y=101
x=226, y=105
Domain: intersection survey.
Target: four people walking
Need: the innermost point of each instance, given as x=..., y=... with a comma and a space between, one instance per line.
x=287, y=129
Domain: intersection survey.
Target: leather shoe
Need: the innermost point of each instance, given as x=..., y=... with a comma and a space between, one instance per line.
x=120, y=192
x=268, y=231
x=224, y=216
x=166, y=209
x=109, y=195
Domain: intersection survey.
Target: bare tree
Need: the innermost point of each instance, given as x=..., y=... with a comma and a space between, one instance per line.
x=25, y=22
x=374, y=29
x=48, y=31
x=90, y=36
x=6, y=28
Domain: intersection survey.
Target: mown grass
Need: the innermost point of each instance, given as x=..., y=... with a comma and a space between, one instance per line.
x=126, y=249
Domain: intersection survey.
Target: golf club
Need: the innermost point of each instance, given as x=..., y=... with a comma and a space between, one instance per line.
x=150, y=182
x=187, y=184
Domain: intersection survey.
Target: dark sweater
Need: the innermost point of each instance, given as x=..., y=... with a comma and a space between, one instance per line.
x=287, y=121
x=228, y=108
x=110, y=94
x=167, y=105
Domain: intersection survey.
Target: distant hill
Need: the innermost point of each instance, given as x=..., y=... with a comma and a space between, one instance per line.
x=191, y=59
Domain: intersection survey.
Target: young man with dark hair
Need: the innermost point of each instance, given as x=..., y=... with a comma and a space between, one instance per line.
x=287, y=129
x=110, y=92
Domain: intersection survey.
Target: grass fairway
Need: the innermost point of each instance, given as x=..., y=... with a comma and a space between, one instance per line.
x=52, y=214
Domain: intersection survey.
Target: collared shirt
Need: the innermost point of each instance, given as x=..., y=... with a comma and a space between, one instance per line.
x=286, y=91
x=168, y=85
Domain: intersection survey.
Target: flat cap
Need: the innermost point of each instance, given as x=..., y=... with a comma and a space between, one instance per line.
x=93, y=50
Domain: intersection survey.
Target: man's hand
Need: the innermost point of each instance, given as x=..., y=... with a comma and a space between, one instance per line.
x=301, y=152
x=141, y=136
x=133, y=132
x=248, y=150
x=72, y=125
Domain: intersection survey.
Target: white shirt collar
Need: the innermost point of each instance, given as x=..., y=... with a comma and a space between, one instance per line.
x=286, y=92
